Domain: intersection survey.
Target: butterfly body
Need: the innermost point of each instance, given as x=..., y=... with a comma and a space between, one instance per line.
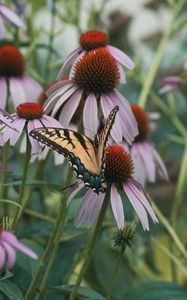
x=86, y=157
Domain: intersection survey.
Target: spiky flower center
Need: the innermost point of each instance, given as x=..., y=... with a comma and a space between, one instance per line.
x=93, y=39
x=12, y=62
x=142, y=121
x=97, y=72
x=30, y=111
x=119, y=165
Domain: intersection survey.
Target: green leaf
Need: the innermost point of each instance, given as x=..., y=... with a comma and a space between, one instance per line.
x=157, y=291
x=11, y=290
x=83, y=292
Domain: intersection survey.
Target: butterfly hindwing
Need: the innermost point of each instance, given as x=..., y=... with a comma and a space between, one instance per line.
x=87, y=161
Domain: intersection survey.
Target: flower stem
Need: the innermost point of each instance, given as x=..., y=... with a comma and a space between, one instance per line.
x=158, y=57
x=4, y=188
x=54, y=248
x=91, y=244
x=49, y=253
x=23, y=194
x=112, y=282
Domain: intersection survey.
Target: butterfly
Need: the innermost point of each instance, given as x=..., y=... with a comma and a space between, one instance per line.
x=85, y=156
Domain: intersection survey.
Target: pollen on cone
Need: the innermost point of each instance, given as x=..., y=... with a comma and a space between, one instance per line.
x=93, y=39
x=142, y=121
x=97, y=72
x=119, y=165
x=30, y=111
x=12, y=62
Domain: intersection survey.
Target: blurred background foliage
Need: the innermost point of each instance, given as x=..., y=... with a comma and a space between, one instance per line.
x=148, y=271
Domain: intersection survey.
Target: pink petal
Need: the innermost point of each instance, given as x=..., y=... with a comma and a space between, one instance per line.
x=121, y=57
x=2, y=29
x=10, y=255
x=16, y=91
x=32, y=89
x=2, y=256
x=139, y=167
x=58, y=159
x=55, y=96
x=90, y=116
x=63, y=98
x=36, y=146
x=128, y=121
x=117, y=207
x=145, y=151
x=89, y=209
x=70, y=108
x=14, y=135
x=11, y=16
x=161, y=167
x=70, y=57
x=71, y=74
x=139, y=208
x=167, y=88
x=107, y=105
x=11, y=239
x=56, y=87
x=122, y=74
x=49, y=121
x=137, y=189
x=3, y=94
x=73, y=190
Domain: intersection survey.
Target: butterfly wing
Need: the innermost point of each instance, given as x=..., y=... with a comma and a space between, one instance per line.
x=78, y=149
x=104, y=136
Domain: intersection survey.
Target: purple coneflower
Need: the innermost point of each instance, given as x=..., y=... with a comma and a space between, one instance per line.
x=145, y=157
x=11, y=16
x=94, y=81
x=118, y=175
x=28, y=116
x=9, y=244
x=93, y=40
x=13, y=80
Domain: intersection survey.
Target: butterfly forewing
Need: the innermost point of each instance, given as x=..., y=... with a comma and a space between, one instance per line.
x=104, y=135
x=67, y=142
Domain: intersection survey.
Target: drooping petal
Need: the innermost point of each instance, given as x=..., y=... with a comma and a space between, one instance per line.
x=11, y=16
x=2, y=29
x=63, y=98
x=117, y=207
x=55, y=95
x=122, y=74
x=10, y=255
x=161, y=167
x=11, y=134
x=2, y=257
x=48, y=121
x=139, y=167
x=69, y=108
x=71, y=73
x=89, y=209
x=127, y=119
x=36, y=146
x=90, y=116
x=3, y=93
x=138, y=206
x=17, y=92
x=12, y=240
x=145, y=151
x=70, y=57
x=107, y=105
x=73, y=190
x=58, y=159
x=121, y=57
x=138, y=190
x=32, y=88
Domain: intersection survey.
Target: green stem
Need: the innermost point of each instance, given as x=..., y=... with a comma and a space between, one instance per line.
x=112, y=282
x=181, y=185
x=170, y=230
x=56, y=241
x=158, y=57
x=4, y=188
x=23, y=195
x=52, y=246
x=91, y=244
